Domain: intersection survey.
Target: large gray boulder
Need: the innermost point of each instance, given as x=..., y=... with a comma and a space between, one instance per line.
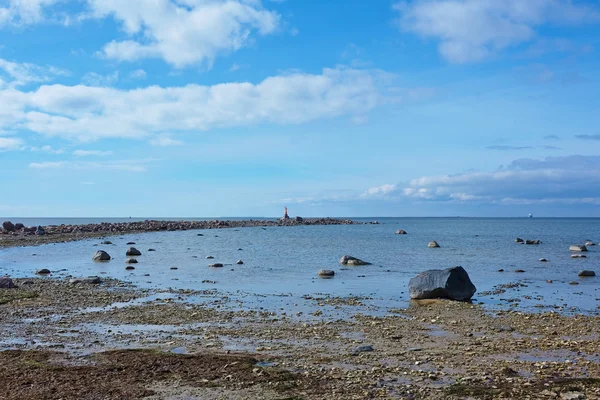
x=452, y=283
x=6, y=283
x=349, y=260
x=101, y=255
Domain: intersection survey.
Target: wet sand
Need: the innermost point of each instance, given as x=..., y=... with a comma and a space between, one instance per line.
x=118, y=342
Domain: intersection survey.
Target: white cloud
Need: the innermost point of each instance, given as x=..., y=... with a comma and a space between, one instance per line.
x=165, y=141
x=47, y=149
x=48, y=165
x=95, y=79
x=23, y=12
x=10, y=144
x=526, y=181
x=84, y=113
x=473, y=30
x=119, y=165
x=85, y=153
x=380, y=191
x=19, y=74
x=138, y=74
x=184, y=32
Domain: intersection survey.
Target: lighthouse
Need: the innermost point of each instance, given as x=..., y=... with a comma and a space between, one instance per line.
x=285, y=213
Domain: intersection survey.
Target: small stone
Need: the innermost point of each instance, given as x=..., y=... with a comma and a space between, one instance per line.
x=578, y=256
x=573, y=283
x=326, y=273
x=363, y=349
x=133, y=252
x=519, y=271
x=107, y=242
x=519, y=240
x=401, y=232
x=239, y=262
x=209, y=257
x=43, y=271
x=151, y=250
x=216, y=265
x=433, y=244
x=578, y=247
x=586, y=273
x=129, y=267
x=543, y=260
x=131, y=261
x=130, y=243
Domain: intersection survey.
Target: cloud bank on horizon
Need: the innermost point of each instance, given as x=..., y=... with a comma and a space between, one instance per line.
x=235, y=107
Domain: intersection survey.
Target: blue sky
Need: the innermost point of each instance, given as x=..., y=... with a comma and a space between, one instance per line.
x=175, y=108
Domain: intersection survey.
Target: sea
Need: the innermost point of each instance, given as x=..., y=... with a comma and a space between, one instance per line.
x=280, y=264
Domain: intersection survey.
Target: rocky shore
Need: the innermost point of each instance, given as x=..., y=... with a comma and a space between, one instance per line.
x=16, y=234
x=113, y=341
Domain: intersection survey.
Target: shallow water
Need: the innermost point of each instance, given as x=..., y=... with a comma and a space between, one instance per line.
x=284, y=260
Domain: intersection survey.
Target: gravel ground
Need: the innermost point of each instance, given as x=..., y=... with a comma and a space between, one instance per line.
x=113, y=341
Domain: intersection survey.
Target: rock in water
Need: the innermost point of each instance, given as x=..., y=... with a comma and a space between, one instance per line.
x=400, y=232
x=578, y=256
x=587, y=273
x=9, y=226
x=519, y=240
x=578, y=247
x=216, y=265
x=588, y=243
x=43, y=271
x=326, y=273
x=7, y=283
x=239, y=262
x=433, y=244
x=131, y=261
x=533, y=241
x=452, y=283
x=133, y=252
x=101, y=255
x=107, y=242
x=349, y=260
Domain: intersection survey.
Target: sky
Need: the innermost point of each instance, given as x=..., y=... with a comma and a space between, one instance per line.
x=216, y=108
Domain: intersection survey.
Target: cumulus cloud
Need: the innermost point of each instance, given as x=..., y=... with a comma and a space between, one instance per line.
x=19, y=74
x=23, y=12
x=85, y=113
x=10, y=144
x=380, y=191
x=473, y=30
x=183, y=32
x=553, y=179
x=95, y=79
x=138, y=74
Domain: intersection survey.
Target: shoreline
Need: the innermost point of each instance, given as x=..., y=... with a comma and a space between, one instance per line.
x=56, y=335
x=27, y=236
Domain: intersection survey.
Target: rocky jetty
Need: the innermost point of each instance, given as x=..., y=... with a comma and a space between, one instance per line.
x=16, y=234
x=452, y=283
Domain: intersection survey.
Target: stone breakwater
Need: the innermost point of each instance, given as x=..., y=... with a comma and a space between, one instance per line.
x=19, y=235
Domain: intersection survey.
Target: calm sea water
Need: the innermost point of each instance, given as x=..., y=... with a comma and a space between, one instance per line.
x=283, y=261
